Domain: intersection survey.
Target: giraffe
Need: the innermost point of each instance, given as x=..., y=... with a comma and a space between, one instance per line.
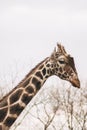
x=59, y=63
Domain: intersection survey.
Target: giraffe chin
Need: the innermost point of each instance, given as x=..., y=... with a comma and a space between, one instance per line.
x=75, y=83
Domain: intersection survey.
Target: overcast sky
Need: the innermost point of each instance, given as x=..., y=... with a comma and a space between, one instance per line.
x=30, y=29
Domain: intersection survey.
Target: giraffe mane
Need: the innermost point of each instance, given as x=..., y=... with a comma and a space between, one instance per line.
x=19, y=84
x=35, y=67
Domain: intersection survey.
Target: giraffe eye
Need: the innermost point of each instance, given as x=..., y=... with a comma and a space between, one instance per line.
x=62, y=61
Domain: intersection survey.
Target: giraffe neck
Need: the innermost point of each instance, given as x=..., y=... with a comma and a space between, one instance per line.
x=13, y=104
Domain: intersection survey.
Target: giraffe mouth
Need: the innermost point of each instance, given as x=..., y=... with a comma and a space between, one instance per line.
x=75, y=82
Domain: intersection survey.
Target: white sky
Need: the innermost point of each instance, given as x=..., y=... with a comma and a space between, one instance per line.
x=29, y=30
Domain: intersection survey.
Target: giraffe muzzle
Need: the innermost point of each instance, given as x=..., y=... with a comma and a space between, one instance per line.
x=75, y=82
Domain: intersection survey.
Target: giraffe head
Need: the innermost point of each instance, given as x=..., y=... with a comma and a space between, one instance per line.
x=64, y=66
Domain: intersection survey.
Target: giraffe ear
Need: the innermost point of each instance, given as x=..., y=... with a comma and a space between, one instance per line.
x=53, y=55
